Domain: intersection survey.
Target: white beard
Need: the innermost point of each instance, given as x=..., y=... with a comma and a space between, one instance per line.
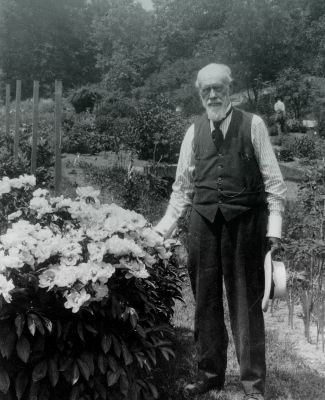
x=216, y=114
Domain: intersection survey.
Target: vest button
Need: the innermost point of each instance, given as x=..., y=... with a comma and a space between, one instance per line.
x=219, y=201
x=220, y=166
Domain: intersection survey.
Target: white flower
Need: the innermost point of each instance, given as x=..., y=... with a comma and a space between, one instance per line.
x=4, y=185
x=76, y=299
x=11, y=261
x=40, y=192
x=96, y=251
x=16, y=183
x=136, y=268
x=163, y=253
x=66, y=276
x=41, y=205
x=87, y=191
x=95, y=272
x=14, y=215
x=101, y=291
x=27, y=180
x=121, y=247
x=70, y=252
x=47, y=278
x=151, y=238
x=149, y=260
x=5, y=287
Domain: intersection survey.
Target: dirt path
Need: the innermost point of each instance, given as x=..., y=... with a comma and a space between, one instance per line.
x=309, y=352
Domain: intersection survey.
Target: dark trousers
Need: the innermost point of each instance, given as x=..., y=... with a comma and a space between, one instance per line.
x=232, y=251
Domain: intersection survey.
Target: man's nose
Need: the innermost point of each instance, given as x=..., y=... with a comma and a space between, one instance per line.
x=213, y=92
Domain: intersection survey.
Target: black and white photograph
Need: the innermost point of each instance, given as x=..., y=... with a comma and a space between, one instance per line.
x=162, y=199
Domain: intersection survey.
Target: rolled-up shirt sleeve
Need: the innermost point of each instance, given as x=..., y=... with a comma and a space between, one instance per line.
x=275, y=187
x=183, y=187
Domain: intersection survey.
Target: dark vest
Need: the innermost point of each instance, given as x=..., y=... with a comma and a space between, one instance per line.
x=228, y=179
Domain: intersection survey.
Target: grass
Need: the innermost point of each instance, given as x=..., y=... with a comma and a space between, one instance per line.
x=288, y=377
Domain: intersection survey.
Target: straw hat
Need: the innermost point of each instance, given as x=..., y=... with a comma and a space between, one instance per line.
x=275, y=280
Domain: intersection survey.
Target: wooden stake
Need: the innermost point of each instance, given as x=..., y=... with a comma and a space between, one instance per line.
x=35, y=127
x=7, y=109
x=58, y=113
x=17, y=120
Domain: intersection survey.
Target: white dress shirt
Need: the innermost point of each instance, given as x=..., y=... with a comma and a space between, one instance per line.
x=183, y=187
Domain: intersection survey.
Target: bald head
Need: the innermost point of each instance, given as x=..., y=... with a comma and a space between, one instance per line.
x=213, y=72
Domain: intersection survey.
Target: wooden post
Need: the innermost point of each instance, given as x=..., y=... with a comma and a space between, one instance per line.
x=17, y=119
x=35, y=127
x=7, y=109
x=58, y=112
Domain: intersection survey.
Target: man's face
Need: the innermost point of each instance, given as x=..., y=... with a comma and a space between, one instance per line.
x=214, y=93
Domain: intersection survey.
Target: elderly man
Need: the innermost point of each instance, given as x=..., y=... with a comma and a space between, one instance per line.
x=227, y=172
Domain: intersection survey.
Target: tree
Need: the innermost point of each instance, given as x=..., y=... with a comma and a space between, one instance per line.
x=127, y=50
x=295, y=89
x=46, y=40
x=259, y=39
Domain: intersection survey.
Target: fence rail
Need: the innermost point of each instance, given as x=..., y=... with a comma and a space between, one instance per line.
x=35, y=127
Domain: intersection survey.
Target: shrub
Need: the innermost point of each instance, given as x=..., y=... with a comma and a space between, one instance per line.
x=156, y=132
x=301, y=147
x=295, y=125
x=284, y=155
x=83, y=99
x=87, y=292
x=80, y=135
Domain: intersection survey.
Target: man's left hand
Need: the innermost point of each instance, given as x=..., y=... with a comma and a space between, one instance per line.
x=275, y=246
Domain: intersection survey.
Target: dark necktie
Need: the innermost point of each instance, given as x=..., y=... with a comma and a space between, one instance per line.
x=217, y=135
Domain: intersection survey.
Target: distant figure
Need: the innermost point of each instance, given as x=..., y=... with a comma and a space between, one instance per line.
x=280, y=114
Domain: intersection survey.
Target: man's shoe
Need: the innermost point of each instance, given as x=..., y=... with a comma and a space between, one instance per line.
x=203, y=386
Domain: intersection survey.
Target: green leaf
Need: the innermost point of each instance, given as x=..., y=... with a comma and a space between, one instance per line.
x=21, y=383
x=91, y=329
x=83, y=369
x=74, y=394
x=112, y=377
x=39, y=371
x=23, y=348
x=75, y=374
x=31, y=324
x=153, y=390
x=80, y=331
x=39, y=324
x=53, y=372
x=106, y=343
x=124, y=384
x=9, y=344
x=19, y=323
x=126, y=355
x=33, y=391
x=166, y=352
x=4, y=380
x=102, y=363
x=112, y=363
x=117, y=346
x=48, y=324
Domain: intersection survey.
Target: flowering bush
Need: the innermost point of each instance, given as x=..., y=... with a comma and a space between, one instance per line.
x=86, y=296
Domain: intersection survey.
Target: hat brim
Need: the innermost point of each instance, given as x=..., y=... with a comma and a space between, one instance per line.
x=274, y=280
